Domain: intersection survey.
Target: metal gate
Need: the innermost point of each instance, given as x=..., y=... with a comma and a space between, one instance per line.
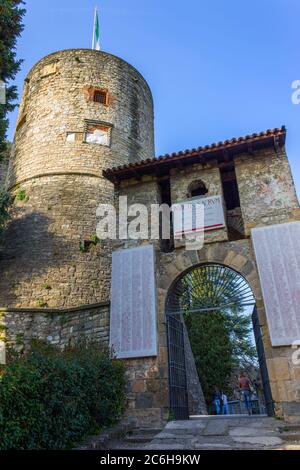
x=203, y=289
x=262, y=364
x=177, y=371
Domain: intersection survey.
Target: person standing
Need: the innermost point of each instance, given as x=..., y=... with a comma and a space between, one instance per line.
x=217, y=400
x=225, y=408
x=245, y=389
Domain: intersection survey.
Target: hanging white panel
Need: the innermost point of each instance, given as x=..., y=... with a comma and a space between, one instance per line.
x=133, y=325
x=185, y=220
x=277, y=250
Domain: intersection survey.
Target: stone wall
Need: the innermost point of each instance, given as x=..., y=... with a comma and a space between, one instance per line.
x=41, y=262
x=144, y=191
x=60, y=327
x=148, y=378
x=266, y=189
x=148, y=400
x=284, y=375
x=147, y=388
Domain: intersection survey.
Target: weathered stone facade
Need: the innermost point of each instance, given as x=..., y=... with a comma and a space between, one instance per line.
x=284, y=376
x=266, y=189
x=235, y=254
x=54, y=272
x=60, y=327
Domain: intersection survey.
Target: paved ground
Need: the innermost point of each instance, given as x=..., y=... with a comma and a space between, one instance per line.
x=203, y=433
x=236, y=432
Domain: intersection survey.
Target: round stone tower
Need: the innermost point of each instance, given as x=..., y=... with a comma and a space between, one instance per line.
x=82, y=111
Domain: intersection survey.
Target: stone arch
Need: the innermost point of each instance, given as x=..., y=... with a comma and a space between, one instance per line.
x=197, y=188
x=234, y=257
x=204, y=265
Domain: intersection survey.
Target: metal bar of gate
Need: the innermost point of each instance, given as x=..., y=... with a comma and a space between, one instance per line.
x=262, y=364
x=177, y=369
x=220, y=307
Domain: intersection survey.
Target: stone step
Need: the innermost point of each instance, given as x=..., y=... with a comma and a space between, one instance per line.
x=231, y=417
x=172, y=440
x=219, y=426
x=141, y=436
x=291, y=427
x=222, y=443
x=138, y=439
x=146, y=431
x=290, y=436
x=164, y=446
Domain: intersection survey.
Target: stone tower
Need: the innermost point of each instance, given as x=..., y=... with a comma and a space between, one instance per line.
x=82, y=111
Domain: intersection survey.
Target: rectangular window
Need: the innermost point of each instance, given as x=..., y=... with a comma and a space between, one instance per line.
x=100, y=96
x=97, y=133
x=74, y=136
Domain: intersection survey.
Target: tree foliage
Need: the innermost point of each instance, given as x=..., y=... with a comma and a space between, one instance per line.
x=5, y=200
x=11, y=16
x=221, y=339
x=212, y=349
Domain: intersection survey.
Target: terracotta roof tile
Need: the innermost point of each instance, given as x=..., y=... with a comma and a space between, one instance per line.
x=121, y=172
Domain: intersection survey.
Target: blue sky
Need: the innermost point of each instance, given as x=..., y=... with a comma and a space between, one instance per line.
x=217, y=69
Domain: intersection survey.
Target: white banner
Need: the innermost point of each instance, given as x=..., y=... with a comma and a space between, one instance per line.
x=133, y=324
x=277, y=251
x=185, y=215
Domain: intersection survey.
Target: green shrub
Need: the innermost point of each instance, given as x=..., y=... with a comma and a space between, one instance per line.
x=51, y=399
x=46, y=286
x=21, y=195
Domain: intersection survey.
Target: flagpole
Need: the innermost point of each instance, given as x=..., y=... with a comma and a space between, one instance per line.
x=94, y=26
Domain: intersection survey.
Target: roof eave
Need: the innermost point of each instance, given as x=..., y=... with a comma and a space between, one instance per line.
x=163, y=164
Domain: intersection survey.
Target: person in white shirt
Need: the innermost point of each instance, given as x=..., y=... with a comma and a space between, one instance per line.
x=225, y=408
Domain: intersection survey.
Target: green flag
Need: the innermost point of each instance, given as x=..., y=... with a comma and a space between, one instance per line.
x=96, y=39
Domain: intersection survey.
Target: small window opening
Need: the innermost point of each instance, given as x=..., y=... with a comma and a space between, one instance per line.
x=230, y=187
x=235, y=223
x=197, y=188
x=100, y=96
x=97, y=134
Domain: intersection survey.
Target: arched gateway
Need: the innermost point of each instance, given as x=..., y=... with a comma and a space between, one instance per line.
x=200, y=290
